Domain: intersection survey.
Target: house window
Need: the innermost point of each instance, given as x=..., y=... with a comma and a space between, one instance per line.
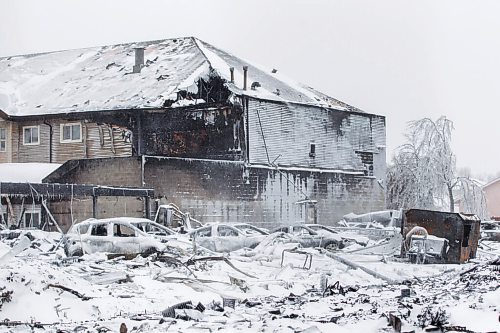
x=71, y=132
x=312, y=149
x=32, y=218
x=31, y=135
x=3, y=139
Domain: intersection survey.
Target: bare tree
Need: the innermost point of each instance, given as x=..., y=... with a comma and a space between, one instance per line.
x=423, y=172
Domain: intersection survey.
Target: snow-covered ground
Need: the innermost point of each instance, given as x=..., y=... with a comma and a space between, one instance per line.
x=51, y=293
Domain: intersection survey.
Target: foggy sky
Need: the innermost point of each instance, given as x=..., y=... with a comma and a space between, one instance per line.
x=402, y=59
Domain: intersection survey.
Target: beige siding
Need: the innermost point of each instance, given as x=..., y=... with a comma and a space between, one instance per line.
x=37, y=152
x=14, y=142
x=107, y=141
x=97, y=141
x=6, y=156
x=63, y=151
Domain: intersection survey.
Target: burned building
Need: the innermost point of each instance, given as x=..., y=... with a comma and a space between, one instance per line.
x=218, y=136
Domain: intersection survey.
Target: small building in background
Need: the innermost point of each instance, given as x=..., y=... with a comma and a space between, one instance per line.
x=492, y=193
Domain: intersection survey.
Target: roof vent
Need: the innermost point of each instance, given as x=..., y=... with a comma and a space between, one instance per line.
x=139, y=59
x=255, y=85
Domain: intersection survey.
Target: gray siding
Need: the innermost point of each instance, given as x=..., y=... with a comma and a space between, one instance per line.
x=288, y=131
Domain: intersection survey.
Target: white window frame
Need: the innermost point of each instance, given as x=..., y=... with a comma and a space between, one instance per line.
x=4, y=140
x=70, y=140
x=33, y=211
x=31, y=143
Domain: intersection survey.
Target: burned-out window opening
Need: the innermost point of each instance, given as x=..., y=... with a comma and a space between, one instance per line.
x=3, y=139
x=121, y=230
x=32, y=218
x=465, y=239
x=31, y=135
x=204, y=232
x=236, y=131
x=83, y=229
x=225, y=231
x=298, y=230
x=99, y=230
x=367, y=161
x=71, y=132
x=312, y=149
x=127, y=135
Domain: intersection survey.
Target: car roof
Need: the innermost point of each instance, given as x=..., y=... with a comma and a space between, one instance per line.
x=125, y=220
x=115, y=220
x=214, y=225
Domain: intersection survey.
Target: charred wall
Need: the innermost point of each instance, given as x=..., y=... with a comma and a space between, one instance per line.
x=229, y=191
x=80, y=209
x=211, y=132
x=309, y=136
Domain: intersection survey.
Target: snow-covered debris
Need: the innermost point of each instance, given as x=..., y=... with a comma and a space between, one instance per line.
x=98, y=294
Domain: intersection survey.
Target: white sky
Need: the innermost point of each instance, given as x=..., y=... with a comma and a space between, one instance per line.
x=402, y=59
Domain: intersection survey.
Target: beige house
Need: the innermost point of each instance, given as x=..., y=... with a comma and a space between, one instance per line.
x=492, y=193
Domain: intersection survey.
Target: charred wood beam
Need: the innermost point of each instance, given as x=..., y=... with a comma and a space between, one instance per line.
x=74, y=292
x=66, y=191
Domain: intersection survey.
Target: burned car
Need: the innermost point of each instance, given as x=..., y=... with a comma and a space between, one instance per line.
x=307, y=237
x=220, y=237
x=154, y=229
x=249, y=229
x=113, y=235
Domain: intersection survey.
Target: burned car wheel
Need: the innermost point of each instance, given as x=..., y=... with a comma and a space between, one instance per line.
x=333, y=246
x=77, y=253
x=149, y=251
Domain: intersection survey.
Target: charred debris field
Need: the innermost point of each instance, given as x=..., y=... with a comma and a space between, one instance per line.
x=365, y=285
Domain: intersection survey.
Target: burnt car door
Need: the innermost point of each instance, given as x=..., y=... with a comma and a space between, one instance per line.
x=124, y=239
x=203, y=237
x=98, y=239
x=228, y=239
x=306, y=237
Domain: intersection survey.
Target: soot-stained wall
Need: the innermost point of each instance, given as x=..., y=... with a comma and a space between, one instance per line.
x=215, y=133
x=229, y=191
x=310, y=136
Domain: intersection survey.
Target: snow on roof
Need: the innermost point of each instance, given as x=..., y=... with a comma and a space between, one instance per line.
x=493, y=181
x=26, y=172
x=101, y=78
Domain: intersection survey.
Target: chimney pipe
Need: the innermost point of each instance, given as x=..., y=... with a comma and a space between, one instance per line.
x=139, y=59
x=231, y=69
x=245, y=70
